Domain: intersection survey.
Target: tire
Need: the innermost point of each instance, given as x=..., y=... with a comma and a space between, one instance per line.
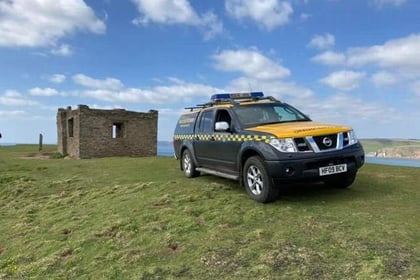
x=188, y=165
x=258, y=184
x=341, y=181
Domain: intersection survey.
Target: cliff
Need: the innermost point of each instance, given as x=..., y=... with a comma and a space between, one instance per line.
x=389, y=148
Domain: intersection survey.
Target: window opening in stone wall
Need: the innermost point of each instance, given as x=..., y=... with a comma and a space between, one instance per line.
x=117, y=130
x=70, y=124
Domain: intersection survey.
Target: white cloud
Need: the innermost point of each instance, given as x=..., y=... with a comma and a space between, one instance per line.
x=400, y=53
x=175, y=91
x=304, y=16
x=251, y=63
x=342, y=108
x=269, y=14
x=415, y=88
x=381, y=3
x=277, y=88
x=46, y=92
x=177, y=12
x=384, y=78
x=106, y=84
x=325, y=41
x=9, y=114
x=166, y=12
x=344, y=80
x=15, y=98
x=330, y=58
x=12, y=93
x=113, y=90
x=57, y=78
x=62, y=50
x=43, y=23
x=210, y=25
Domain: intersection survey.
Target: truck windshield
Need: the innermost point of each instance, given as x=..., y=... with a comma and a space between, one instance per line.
x=262, y=114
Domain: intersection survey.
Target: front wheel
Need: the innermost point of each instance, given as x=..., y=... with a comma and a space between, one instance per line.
x=188, y=165
x=257, y=182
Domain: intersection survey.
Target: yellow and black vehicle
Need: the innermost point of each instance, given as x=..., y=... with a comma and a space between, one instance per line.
x=262, y=143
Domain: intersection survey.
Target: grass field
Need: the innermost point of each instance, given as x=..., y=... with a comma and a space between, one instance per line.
x=139, y=218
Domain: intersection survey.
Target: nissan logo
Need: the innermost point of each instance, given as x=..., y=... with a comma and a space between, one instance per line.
x=327, y=141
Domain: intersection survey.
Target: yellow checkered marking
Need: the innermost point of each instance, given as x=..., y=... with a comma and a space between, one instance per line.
x=224, y=137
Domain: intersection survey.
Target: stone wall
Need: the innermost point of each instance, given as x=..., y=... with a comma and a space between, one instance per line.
x=89, y=133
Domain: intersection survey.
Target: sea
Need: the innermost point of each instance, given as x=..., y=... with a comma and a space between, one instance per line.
x=166, y=149
x=394, y=161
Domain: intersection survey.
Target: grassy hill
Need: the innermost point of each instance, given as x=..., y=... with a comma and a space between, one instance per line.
x=139, y=218
x=392, y=147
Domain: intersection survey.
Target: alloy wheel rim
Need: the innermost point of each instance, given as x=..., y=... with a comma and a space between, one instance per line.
x=255, y=180
x=187, y=163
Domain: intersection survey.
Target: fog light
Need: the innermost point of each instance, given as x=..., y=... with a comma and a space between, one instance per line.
x=288, y=170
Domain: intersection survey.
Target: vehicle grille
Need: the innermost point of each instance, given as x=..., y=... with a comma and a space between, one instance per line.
x=301, y=145
x=322, y=143
x=326, y=142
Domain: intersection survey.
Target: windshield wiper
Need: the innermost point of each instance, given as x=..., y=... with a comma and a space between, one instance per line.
x=268, y=123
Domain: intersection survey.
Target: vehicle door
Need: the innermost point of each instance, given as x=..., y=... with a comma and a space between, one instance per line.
x=204, y=138
x=216, y=148
x=226, y=145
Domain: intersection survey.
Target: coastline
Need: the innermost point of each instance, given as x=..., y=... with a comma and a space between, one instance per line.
x=165, y=149
x=408, y=162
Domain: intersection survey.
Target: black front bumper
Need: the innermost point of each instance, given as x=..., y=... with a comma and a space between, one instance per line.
x=305, y=166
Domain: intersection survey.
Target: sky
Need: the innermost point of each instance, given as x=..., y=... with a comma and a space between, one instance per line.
x=339, y=61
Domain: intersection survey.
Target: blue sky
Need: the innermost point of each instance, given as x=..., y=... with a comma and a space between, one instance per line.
x=350, y=62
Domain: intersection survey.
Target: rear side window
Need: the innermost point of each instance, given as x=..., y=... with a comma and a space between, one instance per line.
x=206, y=123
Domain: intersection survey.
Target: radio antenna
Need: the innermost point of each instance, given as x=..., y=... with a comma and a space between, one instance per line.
x=249, y=85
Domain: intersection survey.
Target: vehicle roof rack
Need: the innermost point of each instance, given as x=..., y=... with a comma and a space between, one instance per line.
x=233, y=98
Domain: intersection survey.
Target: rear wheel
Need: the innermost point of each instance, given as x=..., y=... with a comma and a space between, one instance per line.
x=188, y=165
x=341, y=181
x=257, y=183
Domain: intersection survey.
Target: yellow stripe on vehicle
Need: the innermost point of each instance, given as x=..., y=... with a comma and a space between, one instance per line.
x=225, y=138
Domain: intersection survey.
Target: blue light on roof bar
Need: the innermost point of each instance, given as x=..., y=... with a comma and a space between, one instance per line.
x=241, y=95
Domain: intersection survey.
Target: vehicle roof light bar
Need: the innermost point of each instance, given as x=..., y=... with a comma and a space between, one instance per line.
x=236, y=96
x=233, y=98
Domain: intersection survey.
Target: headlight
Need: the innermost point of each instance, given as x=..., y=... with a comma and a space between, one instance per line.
x=352, y=137
x=286, y=145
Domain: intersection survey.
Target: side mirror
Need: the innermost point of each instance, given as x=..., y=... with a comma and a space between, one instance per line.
x=221, y=126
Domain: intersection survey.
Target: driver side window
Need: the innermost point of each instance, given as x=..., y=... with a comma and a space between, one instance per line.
x=223, y=116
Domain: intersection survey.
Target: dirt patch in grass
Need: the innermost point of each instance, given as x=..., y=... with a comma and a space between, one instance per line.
x=39, y=156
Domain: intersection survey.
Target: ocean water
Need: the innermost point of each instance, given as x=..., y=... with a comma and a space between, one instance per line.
x=7, y=144
x=393, y=161
x=165, y=148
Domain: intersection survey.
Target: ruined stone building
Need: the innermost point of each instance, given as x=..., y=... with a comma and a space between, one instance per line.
x=89, y=133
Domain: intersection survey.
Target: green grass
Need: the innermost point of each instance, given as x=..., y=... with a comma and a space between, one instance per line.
x=139, y=218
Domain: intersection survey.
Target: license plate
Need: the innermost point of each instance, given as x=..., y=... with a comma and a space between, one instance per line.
x=332, y=169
